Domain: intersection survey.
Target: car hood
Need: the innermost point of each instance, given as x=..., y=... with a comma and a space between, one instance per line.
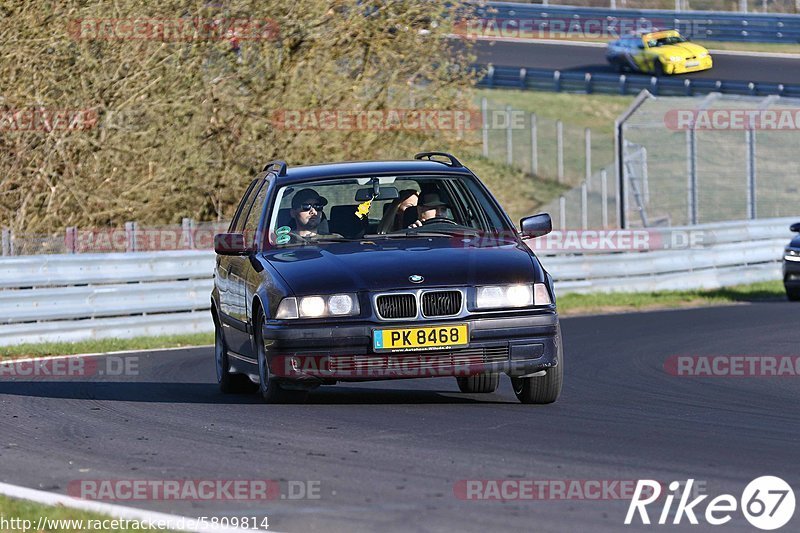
x=684, y=50
x=387, y=265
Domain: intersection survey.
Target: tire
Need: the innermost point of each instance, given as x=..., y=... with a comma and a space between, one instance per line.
x=544, y=389
x=481, y=383
x=793, y=294
x=658, y=69
x=228, y=383
x=269, y=387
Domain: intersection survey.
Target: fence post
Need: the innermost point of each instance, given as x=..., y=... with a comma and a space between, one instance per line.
x=130, y=232
x=6, y=242
x=562, y=212
x=509, y=137
x=691, y=162
x=557, y=81
x=534, y=145
x=485, y=119
x=752, y=172
x=187, y=225
x=604, y=197
x=584, y=206
x=560, y=149
x=588, y=142
x=71, y=240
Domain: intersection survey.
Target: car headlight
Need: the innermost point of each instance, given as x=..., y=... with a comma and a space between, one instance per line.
x=318, y=306
x=511, y=296
x=703, y=55
x=792, y=255
x=675, y=58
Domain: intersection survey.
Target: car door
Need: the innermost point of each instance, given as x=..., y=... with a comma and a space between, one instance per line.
x=240, y=267
x=225, y=263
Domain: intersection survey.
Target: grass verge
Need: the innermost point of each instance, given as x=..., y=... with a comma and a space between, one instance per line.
x=105, y=345
x=22, y=515
x=589, y=304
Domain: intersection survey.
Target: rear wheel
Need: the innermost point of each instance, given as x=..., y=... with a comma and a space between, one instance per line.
x=228, y=383
x=481, y=383
x=269, y=387
x=542, y=389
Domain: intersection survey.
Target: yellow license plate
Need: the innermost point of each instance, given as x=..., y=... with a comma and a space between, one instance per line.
x=414, y=339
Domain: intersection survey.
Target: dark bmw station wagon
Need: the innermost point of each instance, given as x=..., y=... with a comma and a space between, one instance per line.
x=381, y=270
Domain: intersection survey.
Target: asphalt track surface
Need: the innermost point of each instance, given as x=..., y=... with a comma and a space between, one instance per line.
x=592, y=59
x=387, y=455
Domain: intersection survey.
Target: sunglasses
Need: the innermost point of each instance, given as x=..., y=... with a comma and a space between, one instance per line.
x=307, y=207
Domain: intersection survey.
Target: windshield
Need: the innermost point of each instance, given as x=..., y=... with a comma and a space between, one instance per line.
x=382, y=208
x=666, y=40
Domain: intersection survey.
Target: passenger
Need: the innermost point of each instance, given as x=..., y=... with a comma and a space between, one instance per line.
x=393, y=219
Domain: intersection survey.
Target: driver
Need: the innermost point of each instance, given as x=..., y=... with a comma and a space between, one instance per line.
x=430, y=207
x=307, y=213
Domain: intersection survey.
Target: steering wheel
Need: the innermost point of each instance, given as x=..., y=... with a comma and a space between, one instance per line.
x=439, y=220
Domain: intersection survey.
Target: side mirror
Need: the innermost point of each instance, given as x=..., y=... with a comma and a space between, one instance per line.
x=536, y=226
x=230, y=244
x=795, y=227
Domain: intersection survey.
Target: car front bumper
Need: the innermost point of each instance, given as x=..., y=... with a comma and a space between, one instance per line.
x=517, y=345
x=684, y=67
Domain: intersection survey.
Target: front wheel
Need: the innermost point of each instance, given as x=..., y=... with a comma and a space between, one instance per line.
x=543, y=389
x=268, y=385
x=658, y=69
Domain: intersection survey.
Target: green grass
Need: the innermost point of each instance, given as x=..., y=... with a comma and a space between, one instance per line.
x=105, y=345
x=576, y=111
x=25, y=510
x=575, y=304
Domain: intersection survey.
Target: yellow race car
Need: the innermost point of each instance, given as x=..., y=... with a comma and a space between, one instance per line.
x=658, y=53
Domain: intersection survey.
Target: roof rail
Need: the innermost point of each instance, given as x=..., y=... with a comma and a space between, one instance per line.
x=429, y=156
x=278, y=167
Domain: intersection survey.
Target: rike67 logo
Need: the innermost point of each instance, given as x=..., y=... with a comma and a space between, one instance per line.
x=767, y=503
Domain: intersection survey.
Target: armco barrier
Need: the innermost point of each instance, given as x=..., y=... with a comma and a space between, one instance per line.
x=577, y=81
x=712, y=25
x=91, y=296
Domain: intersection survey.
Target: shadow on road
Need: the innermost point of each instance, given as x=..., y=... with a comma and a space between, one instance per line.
x=152, y=392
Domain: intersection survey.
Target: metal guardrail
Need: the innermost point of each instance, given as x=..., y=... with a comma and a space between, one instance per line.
x=575, y=81
x=731, y=253
x=67, y=298
x=712, y=25
x=90, y=296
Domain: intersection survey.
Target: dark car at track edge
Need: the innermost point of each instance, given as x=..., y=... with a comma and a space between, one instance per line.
x=373, y=292
x=791, y=266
